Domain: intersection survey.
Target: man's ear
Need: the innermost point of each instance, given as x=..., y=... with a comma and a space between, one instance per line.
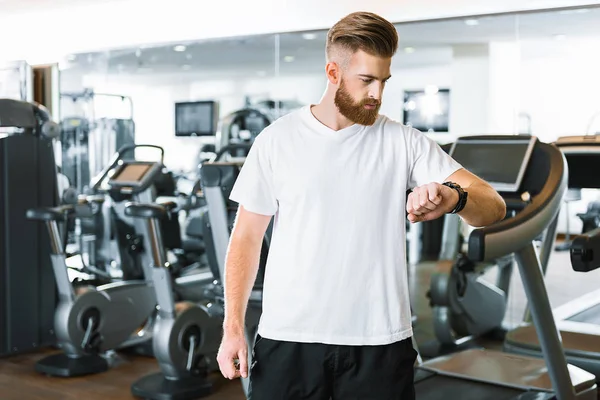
x=333, y=72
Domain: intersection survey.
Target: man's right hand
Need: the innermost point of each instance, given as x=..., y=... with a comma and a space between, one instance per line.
x=232, y=352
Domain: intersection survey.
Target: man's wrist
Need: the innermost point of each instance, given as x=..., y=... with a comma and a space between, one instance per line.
x=459, y=200
x=233, y=327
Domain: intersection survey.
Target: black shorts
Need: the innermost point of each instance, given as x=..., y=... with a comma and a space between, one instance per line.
x=311, y=371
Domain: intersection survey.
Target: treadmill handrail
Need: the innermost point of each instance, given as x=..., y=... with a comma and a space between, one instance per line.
x=530, y=222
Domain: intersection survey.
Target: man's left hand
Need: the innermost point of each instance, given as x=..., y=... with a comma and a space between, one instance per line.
x=431, y=201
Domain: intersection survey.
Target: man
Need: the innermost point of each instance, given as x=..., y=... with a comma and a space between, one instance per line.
x=338, y=177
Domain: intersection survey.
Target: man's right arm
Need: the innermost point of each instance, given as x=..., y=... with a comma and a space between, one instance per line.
x=241, y=266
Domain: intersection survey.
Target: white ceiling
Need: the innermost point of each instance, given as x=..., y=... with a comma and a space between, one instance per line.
x=10, y=6
x=432, y=43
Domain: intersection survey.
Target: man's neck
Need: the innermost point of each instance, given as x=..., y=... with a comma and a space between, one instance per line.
x=328, y=114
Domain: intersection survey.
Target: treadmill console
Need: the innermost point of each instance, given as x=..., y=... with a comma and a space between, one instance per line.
x=134, y=176
x=499, y=161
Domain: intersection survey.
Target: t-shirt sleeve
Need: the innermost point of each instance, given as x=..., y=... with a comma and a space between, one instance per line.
x=430, y=163
x=253, y=188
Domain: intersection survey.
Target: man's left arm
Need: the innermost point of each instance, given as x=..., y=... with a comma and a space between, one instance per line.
x=484, y=206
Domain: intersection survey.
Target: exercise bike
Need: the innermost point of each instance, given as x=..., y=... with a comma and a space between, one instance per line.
x=184, y=332
x=91, y=320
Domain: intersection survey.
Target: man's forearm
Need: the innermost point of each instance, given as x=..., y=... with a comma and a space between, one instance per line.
x=241, y=268
x=484, y=206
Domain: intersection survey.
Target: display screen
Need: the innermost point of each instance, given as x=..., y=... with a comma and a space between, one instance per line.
x=132, y=173
x=427, y=110
x=195, y=118
x=583, y=170
x=499, y=162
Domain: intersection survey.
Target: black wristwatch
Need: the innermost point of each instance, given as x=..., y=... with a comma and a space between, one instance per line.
x=462, y=197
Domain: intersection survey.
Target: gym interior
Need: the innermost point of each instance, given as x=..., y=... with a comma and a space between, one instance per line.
x=123, y=127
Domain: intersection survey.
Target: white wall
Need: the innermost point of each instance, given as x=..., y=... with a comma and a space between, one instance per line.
x=69, y=27
x=560, y=86
x=469, y=94
x=560, y=89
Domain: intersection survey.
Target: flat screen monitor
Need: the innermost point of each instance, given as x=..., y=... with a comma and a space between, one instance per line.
x=131, y=173
x=197, y=118
x=500, y=162
x=583, y=167
x=427, y=110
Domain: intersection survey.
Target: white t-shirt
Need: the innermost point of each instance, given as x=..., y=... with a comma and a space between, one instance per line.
x=336, y=270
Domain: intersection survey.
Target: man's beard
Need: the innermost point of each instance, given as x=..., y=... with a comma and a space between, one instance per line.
x=356, y=112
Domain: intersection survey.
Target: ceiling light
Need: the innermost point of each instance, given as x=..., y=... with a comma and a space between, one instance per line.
x=409, y=50
x=188, y=56
x=309, y=36
x=471, y=22
x=186, y=67
x=431, y=89
x=288, y=58
x=179, y=48
x=559, y=37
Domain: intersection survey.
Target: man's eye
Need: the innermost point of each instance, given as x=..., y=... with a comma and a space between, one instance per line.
x=367, y=80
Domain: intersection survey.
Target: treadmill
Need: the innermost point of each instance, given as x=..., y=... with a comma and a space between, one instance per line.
x=579, y=319
x=532, y=177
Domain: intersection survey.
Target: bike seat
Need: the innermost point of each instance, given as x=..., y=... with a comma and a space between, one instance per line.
x=145, y=211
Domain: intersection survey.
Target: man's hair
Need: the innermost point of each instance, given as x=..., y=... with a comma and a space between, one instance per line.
x=362, y=31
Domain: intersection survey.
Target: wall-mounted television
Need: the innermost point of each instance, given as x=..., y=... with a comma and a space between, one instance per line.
x=427, y=110
x=196, y=118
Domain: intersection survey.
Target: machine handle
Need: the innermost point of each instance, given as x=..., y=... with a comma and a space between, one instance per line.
x=129, y=147
x=585, y=251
